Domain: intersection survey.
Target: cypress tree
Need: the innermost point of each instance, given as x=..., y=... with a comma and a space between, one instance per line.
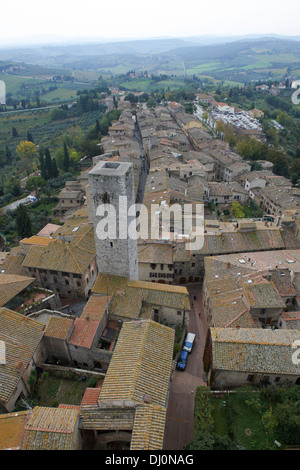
x=48, y=165
x=66, y=161
x=29, y=137
x=97, y=128
x=42, y=166
x=54, y=168
x=24, y=226
x=8, y=155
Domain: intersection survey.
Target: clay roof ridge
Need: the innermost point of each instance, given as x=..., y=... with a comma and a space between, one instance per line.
x=233, y=320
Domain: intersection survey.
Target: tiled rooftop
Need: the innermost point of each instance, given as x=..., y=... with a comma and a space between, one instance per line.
x=12, y=429
x=263, y=295
x=36, y=240
x=12, y=285
x=130, y=296
x=233, y=242
x=254, y=350
x=141, y=364
x=96, y=307
x=48, y=230
x=148, y=428
x=21, y=336
x=155, y=253
x=108, y=418
x=68, y=256
x=83, y=333
x=231, y=311
x=58, y=327
x=107, y=285
x=90, y=396
x=50, y=429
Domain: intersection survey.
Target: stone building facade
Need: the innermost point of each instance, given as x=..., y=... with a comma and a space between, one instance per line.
x=112, y=183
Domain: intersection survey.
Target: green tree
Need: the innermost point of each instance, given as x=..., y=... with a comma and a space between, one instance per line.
x=295, y=167
x=210, y=441
x=58, y=114
x=287, y=416
x=26, y=152
x=66, y=160
x=48, y=165
x=35, y=183
x=269, y=421
x=12, y=186
x=42, y=166
x=54, y=168
x=237, y=210
x=29, y=137
x=8, y=154
x=23, y=221
x=131, y=97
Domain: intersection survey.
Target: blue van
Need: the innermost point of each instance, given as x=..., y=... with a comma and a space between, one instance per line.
x=181, y=364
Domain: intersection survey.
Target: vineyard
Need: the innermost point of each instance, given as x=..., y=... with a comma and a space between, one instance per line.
x=39, y=125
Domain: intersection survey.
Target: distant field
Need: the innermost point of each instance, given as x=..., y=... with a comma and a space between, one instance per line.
x=85, y=75
x=171, y=84
x=150, y=85
x=195, y=69
x=209, y=77
x=25, y=87
x=233, y=84
x=259, y=64
x=60, y=94
x=138, y=85
x=115, y=69
x=13, y=82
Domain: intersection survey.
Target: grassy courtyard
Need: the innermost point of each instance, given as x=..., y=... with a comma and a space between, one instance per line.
x=54, y=391
x=250, y=418
x=55, y=388
x=241, y=422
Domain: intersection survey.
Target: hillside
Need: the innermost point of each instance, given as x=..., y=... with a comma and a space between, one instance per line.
x=241, y=61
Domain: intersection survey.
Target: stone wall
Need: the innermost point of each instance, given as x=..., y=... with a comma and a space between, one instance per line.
x=108, y=182
x=224, y=379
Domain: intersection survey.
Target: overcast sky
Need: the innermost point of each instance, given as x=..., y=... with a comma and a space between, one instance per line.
x=146, y=19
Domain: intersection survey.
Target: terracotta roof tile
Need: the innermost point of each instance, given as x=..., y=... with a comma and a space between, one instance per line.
x=51, y=429
x=90, y=396
x=83, y=333
x=12, y=285
x=254, y=350
x=148, y=428
x=21, y=336
x=141, y=364
x=58, y=327
x=12, y=429
x=96, y=307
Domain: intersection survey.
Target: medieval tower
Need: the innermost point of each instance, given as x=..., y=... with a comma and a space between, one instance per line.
x=112, y=184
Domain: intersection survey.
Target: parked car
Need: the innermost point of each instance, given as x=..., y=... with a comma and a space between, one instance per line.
x=182, y=361
x=30, y=199
x=189, y=341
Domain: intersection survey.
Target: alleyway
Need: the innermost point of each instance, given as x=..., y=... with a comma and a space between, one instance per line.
x=180, y=413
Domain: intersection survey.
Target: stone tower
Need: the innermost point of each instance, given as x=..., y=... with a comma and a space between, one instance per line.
x=112, y=183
